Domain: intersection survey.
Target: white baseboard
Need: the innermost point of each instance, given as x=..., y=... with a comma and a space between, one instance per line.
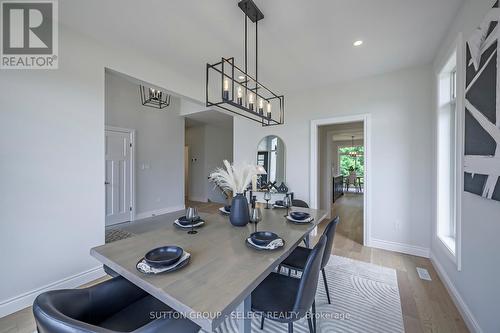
x=24, y=300
x=399, y=247
x=462, y=307
x=160, y=211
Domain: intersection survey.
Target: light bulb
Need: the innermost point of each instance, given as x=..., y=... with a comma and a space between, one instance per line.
x=250, y=98
x=226, y=85
x=240, y=92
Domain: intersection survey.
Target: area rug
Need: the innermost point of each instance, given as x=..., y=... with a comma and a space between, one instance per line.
x=113, y=235
x=365, y=298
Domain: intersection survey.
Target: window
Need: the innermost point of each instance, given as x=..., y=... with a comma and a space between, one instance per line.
x=446, y=156
x=352, y=158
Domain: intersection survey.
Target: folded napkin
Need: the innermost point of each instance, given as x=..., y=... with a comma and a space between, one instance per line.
x=144, y=267
x=309, y=219
x=271, y=246
x=278, y=206
x=196, y=224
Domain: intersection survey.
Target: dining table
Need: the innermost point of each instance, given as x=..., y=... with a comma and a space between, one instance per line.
x=223, y=269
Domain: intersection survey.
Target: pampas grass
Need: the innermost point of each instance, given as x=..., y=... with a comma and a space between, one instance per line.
x=234, y=178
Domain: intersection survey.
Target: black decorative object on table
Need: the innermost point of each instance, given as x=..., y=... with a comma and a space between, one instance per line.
x=271, y=185
x=239, y=215
x=282, y=188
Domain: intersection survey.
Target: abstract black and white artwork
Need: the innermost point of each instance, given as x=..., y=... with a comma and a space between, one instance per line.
x=482, y=110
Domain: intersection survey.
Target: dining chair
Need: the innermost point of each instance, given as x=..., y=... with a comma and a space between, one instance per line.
x=285, y=299
x=299, y=203
x=298, y=258
x=115, y=305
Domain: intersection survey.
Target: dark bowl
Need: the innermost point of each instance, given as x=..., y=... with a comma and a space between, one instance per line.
x=163, y=256
x=263, y=237
x=184, y=221
x=227, y=208
x=299, y=215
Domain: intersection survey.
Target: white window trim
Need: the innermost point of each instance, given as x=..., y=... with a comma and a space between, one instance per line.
x=453, y=249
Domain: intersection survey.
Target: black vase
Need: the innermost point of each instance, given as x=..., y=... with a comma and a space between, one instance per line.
x=239, y=215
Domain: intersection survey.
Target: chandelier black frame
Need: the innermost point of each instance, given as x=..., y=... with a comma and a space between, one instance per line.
x=154, y=98
x=251, y=95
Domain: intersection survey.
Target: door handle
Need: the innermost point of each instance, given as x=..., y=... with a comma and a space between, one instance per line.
x=106, y=183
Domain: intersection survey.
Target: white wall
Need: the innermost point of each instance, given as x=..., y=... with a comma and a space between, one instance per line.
x=209, y=145
x=476, y=286
x=196, y=181
x=52, y=158
x=218, y=147
x=400, y=104
x=159, y=145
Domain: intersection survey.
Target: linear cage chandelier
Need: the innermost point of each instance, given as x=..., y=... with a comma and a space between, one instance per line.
x=154, y=98
x=233, y=89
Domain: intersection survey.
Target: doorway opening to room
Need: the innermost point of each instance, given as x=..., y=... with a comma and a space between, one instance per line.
x=208, y=142
x=146, y=157
x=340, y=173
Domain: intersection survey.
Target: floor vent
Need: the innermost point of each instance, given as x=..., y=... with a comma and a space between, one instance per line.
x=423, y=274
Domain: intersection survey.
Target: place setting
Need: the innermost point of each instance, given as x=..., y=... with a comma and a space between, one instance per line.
x=226, y=210
x=190, y=221
x=163, y=259
x=262, y=240
x=299, y=217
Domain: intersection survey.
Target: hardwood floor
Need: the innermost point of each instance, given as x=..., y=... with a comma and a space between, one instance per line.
x=426, y=305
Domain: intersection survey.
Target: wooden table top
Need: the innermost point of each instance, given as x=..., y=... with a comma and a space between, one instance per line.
x=223, y=270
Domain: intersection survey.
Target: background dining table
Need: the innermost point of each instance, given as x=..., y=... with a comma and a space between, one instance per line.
x=223, y=269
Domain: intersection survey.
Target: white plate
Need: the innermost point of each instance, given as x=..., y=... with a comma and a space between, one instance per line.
x=223, y=211
x=308, y=220
x=188, y=226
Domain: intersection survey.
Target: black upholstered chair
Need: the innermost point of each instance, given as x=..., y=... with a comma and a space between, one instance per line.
x=112, y=306
x=299, y=203
x=285, y=299
x=298, y=258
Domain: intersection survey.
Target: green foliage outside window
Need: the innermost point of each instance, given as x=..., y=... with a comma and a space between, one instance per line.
x=348, y=162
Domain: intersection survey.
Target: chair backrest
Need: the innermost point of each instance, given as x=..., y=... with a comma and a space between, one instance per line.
x=299, y=203
x=309, y=280
x=81, y=310
x=330, y=235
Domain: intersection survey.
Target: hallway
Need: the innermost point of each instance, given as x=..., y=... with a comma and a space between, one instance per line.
x=350, y=209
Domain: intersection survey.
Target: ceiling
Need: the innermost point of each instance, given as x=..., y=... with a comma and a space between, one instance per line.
x=302, y=44
x=345, y=132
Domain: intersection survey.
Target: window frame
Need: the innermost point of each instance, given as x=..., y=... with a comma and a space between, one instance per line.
x=453, y=249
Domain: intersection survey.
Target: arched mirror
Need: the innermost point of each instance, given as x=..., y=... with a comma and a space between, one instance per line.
x=271, y=156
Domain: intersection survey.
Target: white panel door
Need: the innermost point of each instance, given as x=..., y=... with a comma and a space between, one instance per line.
x=118, y=177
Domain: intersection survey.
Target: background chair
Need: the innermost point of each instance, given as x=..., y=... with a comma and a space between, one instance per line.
x=298, y=258
x=112, y=306
x=299, y=203
x=285, y=299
